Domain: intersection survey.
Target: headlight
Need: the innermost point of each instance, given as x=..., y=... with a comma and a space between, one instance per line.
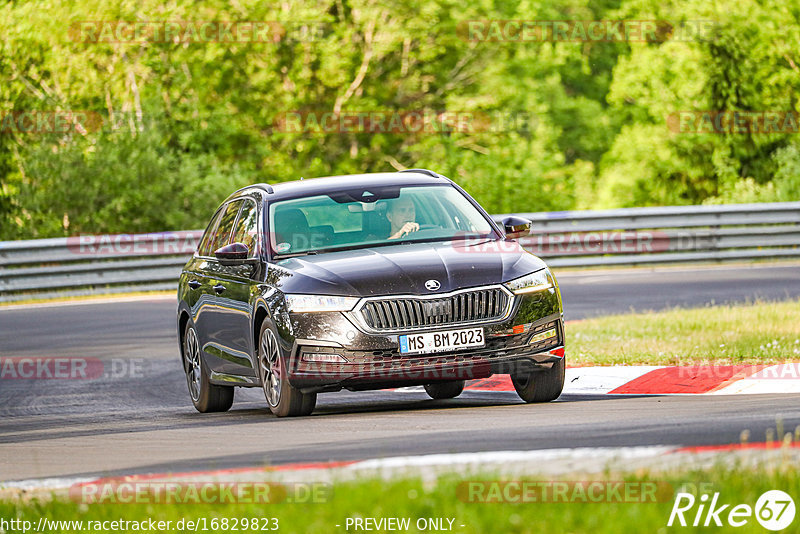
x=319, y=303
x=530, y=283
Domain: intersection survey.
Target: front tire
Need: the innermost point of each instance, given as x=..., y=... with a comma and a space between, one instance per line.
x=444, y=390
x=284, y=400
x=541, y=386
x=206, y=397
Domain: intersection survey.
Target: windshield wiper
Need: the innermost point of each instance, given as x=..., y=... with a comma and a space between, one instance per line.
x=295, y=254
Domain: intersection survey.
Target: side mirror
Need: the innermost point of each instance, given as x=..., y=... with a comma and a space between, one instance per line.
x=233, y=254
x=516, y=227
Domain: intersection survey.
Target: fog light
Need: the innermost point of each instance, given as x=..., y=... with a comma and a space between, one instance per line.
x=329, y=358
x=541, y=336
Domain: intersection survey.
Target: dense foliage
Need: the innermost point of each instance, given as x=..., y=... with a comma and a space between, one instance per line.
x=573, y=125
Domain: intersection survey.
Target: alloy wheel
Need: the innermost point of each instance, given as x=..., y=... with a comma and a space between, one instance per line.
x=191, y=352
x=270, y=365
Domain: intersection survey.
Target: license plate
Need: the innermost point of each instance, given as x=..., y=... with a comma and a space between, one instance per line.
x=444, y=341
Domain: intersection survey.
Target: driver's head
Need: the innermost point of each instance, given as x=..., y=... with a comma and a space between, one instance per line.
x=400, y=212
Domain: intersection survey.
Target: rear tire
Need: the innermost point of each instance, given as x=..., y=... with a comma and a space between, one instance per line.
x=283, y=399
x=444, y=390
x=541, y=386
x=206, y=397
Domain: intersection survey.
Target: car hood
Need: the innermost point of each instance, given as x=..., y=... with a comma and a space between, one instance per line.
x=404, y=268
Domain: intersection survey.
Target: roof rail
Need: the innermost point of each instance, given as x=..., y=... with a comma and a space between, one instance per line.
x=424, y=171
x=266, y=187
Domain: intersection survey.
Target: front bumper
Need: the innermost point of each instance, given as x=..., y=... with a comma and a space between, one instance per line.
x=374, y=361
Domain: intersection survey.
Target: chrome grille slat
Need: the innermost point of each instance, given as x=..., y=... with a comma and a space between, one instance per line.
x=381, y=318
x=472, y=297
x=404, y=312
x=378, y=321
x=394, y=308
x=384, y=316
x=387, y=307
x=410, y=312
x=368, y=313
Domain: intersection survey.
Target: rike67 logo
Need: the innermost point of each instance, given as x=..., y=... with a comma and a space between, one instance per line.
x=774, y=510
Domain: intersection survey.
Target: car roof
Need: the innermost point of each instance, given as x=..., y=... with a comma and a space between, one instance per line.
x=329, y=184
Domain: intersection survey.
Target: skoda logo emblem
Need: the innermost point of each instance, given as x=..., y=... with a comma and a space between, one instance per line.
x=432, y=285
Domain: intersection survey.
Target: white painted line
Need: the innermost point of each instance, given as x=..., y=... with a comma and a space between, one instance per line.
x=501, y=458
x=411, y=389
x=645, y=270
x=89, y=301
x=43, y=483
x=474, y=461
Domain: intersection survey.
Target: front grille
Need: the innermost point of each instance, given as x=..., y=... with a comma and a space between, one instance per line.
x=480, y=305
x=380, y=360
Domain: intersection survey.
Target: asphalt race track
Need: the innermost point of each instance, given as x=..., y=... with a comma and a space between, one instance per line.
x=138, y=418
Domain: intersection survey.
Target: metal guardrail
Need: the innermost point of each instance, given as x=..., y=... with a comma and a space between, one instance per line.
x=642, y=236
x=631, y=236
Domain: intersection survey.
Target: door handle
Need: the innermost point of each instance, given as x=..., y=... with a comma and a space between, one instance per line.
x=219, y=288
x=194, y=284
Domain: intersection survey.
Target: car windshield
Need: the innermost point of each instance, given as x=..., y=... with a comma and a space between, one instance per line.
x=372, y=217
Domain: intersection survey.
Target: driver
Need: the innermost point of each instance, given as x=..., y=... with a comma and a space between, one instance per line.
x=402, y=216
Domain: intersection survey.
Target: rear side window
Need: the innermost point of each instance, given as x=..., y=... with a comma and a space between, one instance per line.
x=222, y=235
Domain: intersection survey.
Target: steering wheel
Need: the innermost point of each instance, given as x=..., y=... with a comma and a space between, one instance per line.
x=424, y=229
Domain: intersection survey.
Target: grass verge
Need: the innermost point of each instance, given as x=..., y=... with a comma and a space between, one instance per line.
x=575, y=510
x=764, y=332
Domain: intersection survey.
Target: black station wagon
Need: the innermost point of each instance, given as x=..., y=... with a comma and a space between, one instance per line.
x=364, y=282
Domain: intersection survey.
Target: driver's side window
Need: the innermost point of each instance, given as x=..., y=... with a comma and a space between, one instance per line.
x=220, y=237
x=204, y=249
x=246, y=231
